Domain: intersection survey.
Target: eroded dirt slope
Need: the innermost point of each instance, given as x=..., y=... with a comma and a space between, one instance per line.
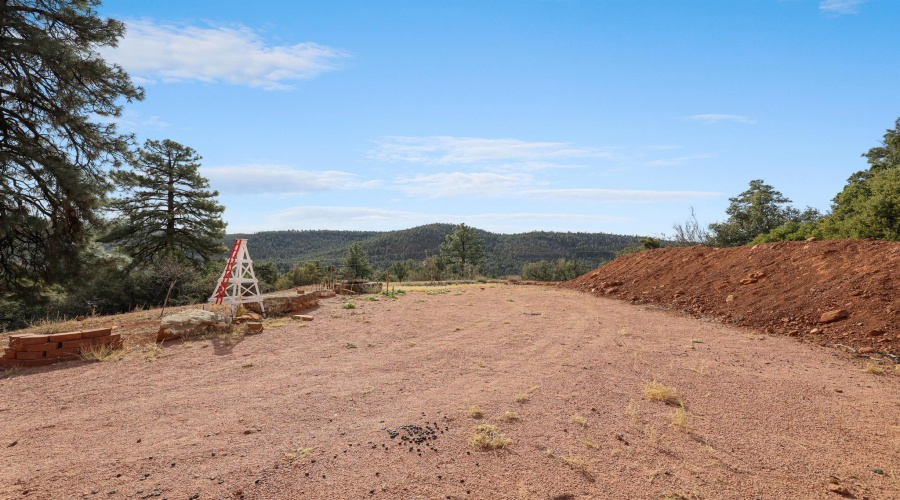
x=783, y=288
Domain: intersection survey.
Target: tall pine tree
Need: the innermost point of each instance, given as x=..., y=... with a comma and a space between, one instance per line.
x=167, y=208
x=53, y=151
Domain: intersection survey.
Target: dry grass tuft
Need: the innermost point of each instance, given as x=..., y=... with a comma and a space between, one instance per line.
x=655, y=391
x=650, y=435
x=873, y=369
x=299, y=454
x=102, y=353
x=246, y=364
x=700, y=368
x=679, y=420
x=11, y=372
x=580, y=465
x=632, y=411
x=509, y=416
x=521, y=398
x=475, y=411
x=486, y=437
x=590, y=444
x=153, y=352
x=578, y=419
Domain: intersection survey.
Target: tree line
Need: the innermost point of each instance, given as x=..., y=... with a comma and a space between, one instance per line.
x=867, y=207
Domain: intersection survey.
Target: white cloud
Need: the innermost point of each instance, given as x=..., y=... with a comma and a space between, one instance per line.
x=619, y=195
x=321, y=217
x=278, y=180
x=715, y=118
x=464, y=184
x=443, y=150
x=668, y=162
x=841, y=6
x=236, y=55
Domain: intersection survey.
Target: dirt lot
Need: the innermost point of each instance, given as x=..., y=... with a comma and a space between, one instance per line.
x=764, y=416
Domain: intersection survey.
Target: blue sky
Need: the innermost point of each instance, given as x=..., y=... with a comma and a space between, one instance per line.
x=568, y=115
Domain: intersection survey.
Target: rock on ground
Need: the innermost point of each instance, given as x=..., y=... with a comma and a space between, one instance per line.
x=190, y=322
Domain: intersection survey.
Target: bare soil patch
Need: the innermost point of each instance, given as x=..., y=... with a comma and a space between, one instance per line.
x=781, y=288
x=320, y=409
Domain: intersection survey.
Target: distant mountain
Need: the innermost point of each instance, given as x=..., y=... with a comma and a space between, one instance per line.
x=505, y=254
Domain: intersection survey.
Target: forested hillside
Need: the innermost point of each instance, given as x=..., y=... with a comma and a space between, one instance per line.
x=505, y=254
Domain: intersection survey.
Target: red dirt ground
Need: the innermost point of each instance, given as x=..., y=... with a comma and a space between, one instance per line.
x=767, y=417
x=793, y=284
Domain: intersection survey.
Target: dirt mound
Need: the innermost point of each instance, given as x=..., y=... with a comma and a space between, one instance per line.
x=801, y=289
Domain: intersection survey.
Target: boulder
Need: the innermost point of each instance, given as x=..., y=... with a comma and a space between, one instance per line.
x=189, y=323
x=832, y=316
x=247, y=317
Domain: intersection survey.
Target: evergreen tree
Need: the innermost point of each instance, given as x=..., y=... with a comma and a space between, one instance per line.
x=756, y=211
x=357, y=262
x=167, y=208
x=462, y=248
x=52, y=154
x=399, y=271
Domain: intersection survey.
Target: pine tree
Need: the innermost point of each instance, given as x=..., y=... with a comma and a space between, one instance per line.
x=357, y=262
x=462, y=249
x=52, y=154
x=167, y=209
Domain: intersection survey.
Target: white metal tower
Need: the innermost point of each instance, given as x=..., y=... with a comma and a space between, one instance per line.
x=238, y=284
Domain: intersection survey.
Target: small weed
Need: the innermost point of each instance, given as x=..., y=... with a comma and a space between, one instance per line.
x=349, y=305
x=102, y=353
x=696, y=341
x=246, y=364
x=11, y=372
x=578, y=419
x=655, y=391
x=411, y=344
x=506, y=322
x=699, y=368
x=437, y=292
x=521, y=398
x=337, y=315
x=650, y=435
x=372, y=298
x=623, y=332
x=475, y=411
x=457, y=329
x=590, y=444
x=299, y=454
x=239, y=311
x=486, y=437
x=509, y=416
x=510, y=300
x=679, y=420
x=632, y=411
x=350, y=345
x=579, y=464
x=873, y=369
x=533, y=389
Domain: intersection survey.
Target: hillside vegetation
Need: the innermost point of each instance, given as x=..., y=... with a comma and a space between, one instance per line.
x=505, y=254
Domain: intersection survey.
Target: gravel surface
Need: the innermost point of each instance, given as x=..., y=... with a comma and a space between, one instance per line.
x=322, y=409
